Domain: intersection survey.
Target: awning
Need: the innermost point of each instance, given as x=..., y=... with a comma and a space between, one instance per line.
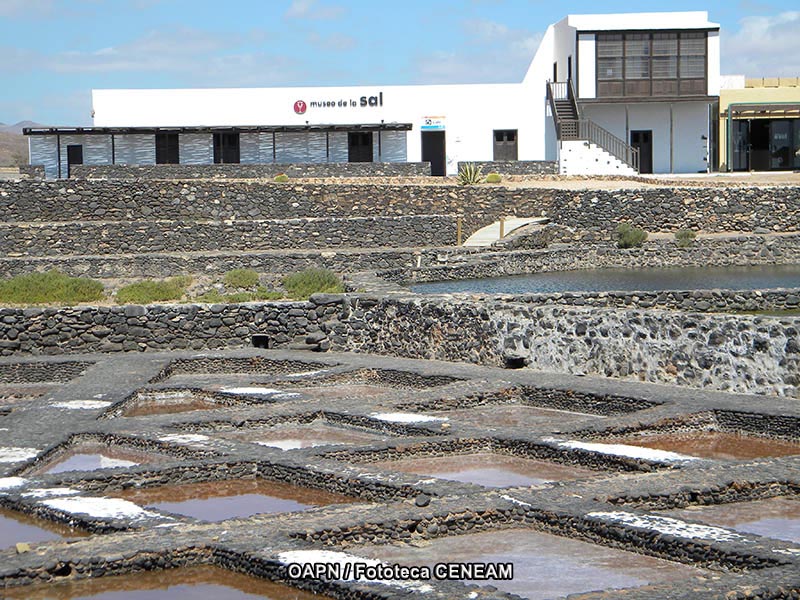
x=791, y=109
x=216, y=129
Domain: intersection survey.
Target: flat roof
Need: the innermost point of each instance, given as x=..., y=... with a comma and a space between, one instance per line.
x=642, y=21
x=216, y=129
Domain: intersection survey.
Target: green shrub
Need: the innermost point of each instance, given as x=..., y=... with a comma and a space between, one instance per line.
x=470, y=174
x=493, y=178
x=684, y=237
x=311, y=281
x=217, y=297
x=149, y=290
x=281, y=178
x=241, y=278
x=49, y=288
x=211, y=297
x=629, y=236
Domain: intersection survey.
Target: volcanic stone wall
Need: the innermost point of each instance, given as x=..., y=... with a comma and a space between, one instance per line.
x=515, y=167
x=256, y=171
x=120, y=237
x=585, y=214
x=740, y=353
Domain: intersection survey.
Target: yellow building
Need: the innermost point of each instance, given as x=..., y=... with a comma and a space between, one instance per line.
x=759, y=125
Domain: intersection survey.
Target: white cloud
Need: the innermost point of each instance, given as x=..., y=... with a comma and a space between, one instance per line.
x=311, y=9
x=336, y=42
x=493, y=53
x=23, y=8
x=764, y=46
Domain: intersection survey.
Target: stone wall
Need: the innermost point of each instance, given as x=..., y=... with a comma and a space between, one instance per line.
x=32, y=171
x=584, y=214
x=740, y=353
x=515, y=167
x=251, y=171
x=93, y=238
x=733, y=250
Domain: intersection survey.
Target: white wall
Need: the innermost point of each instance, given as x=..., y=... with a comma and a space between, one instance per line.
x=714, y=78
x=689, y=124
x=587, y=67
x=563, y=47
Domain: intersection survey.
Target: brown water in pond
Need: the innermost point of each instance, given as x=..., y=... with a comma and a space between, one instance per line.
x=716, y=445
x=290, y=436
x=487, y=469
x=545, y=566
x=343, y=390
x=506, y=415
x=195, y=583
x=19, y=527
x=89, y=457
x=777, y=518
x=167, y=403
x=220, y=500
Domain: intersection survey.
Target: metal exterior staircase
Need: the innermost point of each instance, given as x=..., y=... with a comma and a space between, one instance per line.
x=571, y=125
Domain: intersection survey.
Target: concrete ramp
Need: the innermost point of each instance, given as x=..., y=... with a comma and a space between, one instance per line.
x=488, y=235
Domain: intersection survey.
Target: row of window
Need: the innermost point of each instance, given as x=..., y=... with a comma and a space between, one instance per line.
x=652, y=64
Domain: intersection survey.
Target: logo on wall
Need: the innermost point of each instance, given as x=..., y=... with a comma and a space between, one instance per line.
x=300, y=107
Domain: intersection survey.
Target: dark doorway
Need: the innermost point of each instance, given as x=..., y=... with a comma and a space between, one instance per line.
x=643, y=141
x=505, y=144
x=167, y=152
x=740, y=146
x=555, y=72
x=780, y=144
x=433, y=151
x=359, y=146
x=74, y=156
x=569, y=68
x=226, y=148
x=759, y=145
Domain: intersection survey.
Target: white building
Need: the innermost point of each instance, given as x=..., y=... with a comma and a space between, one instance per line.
x=604, y=94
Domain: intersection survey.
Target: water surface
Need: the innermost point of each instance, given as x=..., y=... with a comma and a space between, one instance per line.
x=617, y=279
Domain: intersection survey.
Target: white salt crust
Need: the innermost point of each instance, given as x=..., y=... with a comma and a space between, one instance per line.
x=9, y=483
x=623, y=450
x=82, y=404
x=398, y=417
x=50, y=492
x=101, y=508
x=10, y=454
x=669, y=526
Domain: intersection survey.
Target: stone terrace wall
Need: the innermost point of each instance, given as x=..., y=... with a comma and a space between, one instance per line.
x=515, y=167
x=92, y=238
x=718, y=251
x=259, y=171
x=739, y=353
x=584, y=214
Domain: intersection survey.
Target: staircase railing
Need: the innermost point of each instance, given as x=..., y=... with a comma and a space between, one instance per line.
x=586, y=129
x=592, y=132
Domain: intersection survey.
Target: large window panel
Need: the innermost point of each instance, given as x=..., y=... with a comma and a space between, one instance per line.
x=609, y=68
x=638, y=64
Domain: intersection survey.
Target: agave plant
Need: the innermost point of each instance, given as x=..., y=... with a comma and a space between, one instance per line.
x=470, y=174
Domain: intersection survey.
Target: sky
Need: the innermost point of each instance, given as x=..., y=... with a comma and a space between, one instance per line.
x=53, y=53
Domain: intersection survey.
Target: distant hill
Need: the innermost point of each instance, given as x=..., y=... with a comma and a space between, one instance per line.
x=14, y=145
x=17, y=127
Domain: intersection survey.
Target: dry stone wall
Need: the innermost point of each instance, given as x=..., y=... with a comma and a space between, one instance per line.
x=92, y=238
x=740, y=353
x=584, y=214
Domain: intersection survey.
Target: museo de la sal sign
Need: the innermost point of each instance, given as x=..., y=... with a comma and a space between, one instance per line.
x=301, y=106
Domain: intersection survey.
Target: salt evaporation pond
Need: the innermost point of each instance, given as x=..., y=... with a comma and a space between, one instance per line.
x=616, y=279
